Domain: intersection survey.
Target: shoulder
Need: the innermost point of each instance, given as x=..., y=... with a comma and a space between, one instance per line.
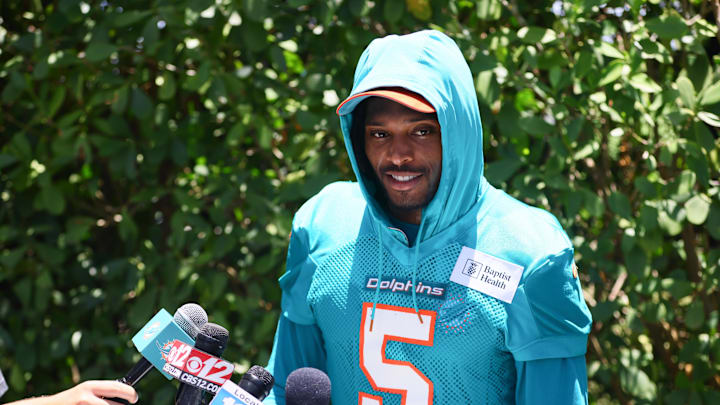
x=331, y=216
x=525, y=234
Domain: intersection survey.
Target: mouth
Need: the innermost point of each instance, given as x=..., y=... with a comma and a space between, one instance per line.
x=404, y=178
x=402, y=181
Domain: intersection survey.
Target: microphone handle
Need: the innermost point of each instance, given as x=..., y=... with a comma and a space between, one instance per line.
x=136, y=373
x=133, y=376
x=189, y=395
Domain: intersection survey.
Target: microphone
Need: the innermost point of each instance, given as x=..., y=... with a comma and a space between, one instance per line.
x=153, y=339
x=257, y=382
x=307, y=386
x=212, y=340
x=254, y=386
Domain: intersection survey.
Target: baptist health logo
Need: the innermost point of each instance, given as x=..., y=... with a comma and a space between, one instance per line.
x=485, y=274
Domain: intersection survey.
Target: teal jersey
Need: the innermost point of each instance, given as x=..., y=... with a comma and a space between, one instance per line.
x=484, y=307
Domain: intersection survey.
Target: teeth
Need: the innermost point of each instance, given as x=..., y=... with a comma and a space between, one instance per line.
x=403, y=178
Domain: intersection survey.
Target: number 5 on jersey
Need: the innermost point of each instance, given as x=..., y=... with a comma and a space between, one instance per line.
x=394, y=376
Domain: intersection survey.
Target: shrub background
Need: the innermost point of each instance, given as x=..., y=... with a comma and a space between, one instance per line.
x=153, y=152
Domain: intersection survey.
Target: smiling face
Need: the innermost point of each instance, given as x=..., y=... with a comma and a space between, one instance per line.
x=404, y=150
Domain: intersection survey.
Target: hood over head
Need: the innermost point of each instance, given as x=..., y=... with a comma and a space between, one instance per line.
x=430, y=64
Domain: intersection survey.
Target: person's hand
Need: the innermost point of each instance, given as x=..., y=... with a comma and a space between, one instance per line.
x=87, y=393
x=92, y=392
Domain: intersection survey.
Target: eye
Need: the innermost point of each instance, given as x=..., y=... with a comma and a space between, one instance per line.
x=378, y=134
x=423, y=131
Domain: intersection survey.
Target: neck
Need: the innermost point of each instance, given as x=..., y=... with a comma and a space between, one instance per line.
x=407, y=216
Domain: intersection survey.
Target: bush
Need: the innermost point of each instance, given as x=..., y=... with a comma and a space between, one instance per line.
x=153, y=153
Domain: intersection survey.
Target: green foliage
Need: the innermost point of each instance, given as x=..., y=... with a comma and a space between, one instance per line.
x=152, y=153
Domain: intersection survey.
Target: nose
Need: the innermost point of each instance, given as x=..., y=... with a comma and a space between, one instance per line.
x=401, y=151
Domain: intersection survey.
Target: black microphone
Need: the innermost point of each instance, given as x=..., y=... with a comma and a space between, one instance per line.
x=307, y=386
x=257, y=382
x=190, y=318
x=212, y=340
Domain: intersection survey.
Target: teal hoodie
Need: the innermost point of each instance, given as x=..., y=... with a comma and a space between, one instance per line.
x=392, y=323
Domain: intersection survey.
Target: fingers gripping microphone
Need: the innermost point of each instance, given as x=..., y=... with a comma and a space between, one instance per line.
x=307, y=386
x=254, y=386
x=212, y=340
x=154, y=336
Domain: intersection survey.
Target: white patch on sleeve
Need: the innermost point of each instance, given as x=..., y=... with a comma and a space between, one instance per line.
x=488, y=274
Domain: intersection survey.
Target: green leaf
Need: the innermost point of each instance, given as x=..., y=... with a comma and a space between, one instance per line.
x=499, y=171
x=709, y=118
x=711, y=95
x=695, y=315
x=583, y=64
x=393, y=10
x=23, y=290
x=6, y=160
x=637, y=383
x=535, y=125
x=77, y=229
x=610, y=51
x=98, y=51
x=698, y=208
x=487, y=10
x=120, y=100
x=53, y=199
x=667, y=27
x=141, y=106
x=532, y=35
x=611, y=72
x=56, y=101
x=168, y=87
x=644, y=83
x=419, y=8
x=357, y=7
x=255, y=9
x=487, y=87
x=620, y=204
x=130, y=17
x=687, y=91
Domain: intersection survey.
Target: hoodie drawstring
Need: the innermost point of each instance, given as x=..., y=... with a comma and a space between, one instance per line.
x=415, y=266
x=381, y=265
x=380, y=272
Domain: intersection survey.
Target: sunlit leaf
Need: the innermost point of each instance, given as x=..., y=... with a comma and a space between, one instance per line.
x=711, y=95
x=697, y=208
x=709, y=118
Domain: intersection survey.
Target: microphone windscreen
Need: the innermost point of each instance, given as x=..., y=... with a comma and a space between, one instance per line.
x=190, y=318
x=258, y=382
x=306, y=386
x=212, y=339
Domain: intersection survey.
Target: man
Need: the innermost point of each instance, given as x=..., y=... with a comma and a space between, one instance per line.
x=422, y=283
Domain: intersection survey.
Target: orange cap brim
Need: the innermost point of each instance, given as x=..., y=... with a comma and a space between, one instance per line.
x=399, y=95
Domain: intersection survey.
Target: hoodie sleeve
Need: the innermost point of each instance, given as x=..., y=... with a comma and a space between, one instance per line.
x=298, y=341
x=295, y=346
x=551, y=381
x=296, y=281
x=548, y=317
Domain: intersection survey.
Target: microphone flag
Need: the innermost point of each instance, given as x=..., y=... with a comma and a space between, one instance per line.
x=3, y=384
x=231, y=394
x=155, y=339
x=197, y=368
